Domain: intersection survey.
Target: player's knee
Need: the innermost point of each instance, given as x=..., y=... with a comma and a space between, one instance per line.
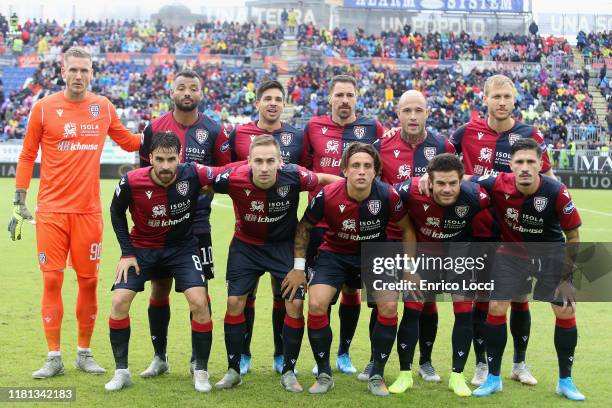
x=497, y=308
x=53, y=280
x=160, y=289
x=295, y=308
x=121, y=302
x=317, y=306
x=88, y=284
x=235, y=304
x=562, y=313
x=387, y=309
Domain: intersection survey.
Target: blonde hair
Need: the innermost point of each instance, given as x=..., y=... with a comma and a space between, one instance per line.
x=496, y=81
x=264, y=140
x=76, y=52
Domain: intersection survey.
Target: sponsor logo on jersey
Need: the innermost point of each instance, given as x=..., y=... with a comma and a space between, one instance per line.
x=486, y=154
x=429, y=152
x=286, y=138
x=349, y=225
x=540, y=203
x=182, y=187
x=403, y=172
x=149, y=193
x=480, y=135
x=432, y=222
x=396, y=153
x=359, y=132
x=42, y=258
x=425, y=207
x=70, y=129
x=461, y=210
x=94, y=110
x=569, y=208
x=159, y=211
x=225, y=147
x=247, y=192
x=252, y=137
x=374, y=206
x=201, y=135
x=513, y=137
x=507, y=196
x=257, y=206
x=59, y=112
x=283, y=191
x=332, y=146
x=324, y=129
x=341, y=207
x=512, y=214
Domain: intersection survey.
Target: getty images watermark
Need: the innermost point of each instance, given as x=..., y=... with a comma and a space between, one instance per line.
x=545, y=271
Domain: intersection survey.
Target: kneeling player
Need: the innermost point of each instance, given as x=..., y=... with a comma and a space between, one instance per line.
x=357, y=210
x=532, y=208
x=162, y=200
x=445, y=215
x=266, y=198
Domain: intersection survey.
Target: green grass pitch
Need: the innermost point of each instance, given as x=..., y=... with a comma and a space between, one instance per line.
x=23, y=346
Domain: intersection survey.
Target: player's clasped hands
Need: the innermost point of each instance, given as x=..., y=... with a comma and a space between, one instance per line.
x=567, y=292
x=294, y=281
x=124, y=266
x=20, y=214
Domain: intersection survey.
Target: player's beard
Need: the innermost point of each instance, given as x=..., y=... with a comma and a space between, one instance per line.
x=186, y=108
x=344, y=112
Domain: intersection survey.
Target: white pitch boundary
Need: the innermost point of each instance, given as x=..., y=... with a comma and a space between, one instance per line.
x=596, y=212
x=218, y=204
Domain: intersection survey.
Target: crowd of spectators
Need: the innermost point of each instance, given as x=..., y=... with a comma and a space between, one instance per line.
x=139, y=94
x=406, y=44
x=549, y=102
x=595, y=45
x=230, y=38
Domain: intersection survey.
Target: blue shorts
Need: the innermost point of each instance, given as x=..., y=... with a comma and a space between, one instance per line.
x=247, y=262
x=335, y=270
x=181, y=263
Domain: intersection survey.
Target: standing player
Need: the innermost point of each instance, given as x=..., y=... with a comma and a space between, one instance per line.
x=70, y=127
x=446, y=216
x=326, y=138
x=269, y=102
x=531, y=208
x=205, y=142
x=485, y=146
x=266, y=198
x=162, y=200
x=357, y=210
x=405, y=154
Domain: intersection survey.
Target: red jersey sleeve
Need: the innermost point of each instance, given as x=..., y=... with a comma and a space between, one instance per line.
x=308, y=179
x=483, y=198
x=221, y=149
x=450, y=148
x=567, y=211
x=306, y=157
x=316, y=208
x=380, y=130
x=537, y=136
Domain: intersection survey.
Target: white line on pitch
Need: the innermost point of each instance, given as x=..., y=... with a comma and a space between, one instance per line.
x=218, y=204
x=596, y=212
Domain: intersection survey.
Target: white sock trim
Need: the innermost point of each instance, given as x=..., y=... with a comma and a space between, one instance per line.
x=84, y=349
x=54, y=354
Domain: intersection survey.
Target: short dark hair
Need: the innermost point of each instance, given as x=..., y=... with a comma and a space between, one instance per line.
x=264, y=140
x=269, y=85
x=526, y=144
x=358, y=147
x=342, y=78
x=189, y=73
x=445, y=162
x=165, y=141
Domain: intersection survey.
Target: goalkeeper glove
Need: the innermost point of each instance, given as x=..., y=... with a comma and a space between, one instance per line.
x=20, y=213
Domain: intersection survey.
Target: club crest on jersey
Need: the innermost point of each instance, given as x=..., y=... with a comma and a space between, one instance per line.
x=403, y=172
x=94, y=110
x=42, y=258
x=182, y=187
x=359, y=132
x=201, y=135
x=70, y=130
x=286, y=138
x=512, y=214
x=540, y=203
x=374, y=206
x=429, y=152
x=432, y=222
x=513, y=137
x=461, y=210
x=283, y=191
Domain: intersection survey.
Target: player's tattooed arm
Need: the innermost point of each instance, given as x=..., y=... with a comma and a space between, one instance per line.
x=325, y=179
x=302, y=236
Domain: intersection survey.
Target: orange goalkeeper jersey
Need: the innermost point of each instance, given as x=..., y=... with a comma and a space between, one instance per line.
x=71, y=136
